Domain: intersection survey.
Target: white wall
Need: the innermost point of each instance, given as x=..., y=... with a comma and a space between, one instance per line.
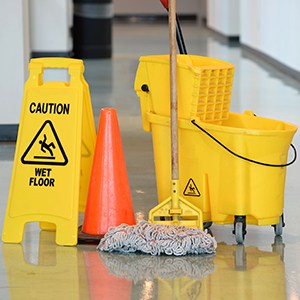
x=268, y=26
x=223, y=16
x=50, y=23
x=272, y=27
x=14, y=53
x=15, y=33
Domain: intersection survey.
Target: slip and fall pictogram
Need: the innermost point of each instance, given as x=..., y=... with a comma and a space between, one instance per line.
x=191, y=189
x=45, y=148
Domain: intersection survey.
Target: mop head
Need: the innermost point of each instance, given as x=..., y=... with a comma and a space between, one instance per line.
x=156, y=239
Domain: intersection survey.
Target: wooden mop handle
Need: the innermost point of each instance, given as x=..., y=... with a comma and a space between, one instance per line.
x=173, y=89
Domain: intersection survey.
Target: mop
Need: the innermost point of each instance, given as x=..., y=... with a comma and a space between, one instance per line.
x=157, y=239
x=165, y=235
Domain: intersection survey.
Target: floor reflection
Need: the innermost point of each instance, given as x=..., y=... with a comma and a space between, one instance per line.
x=138, y=267
x=49, y=274
x=160, y=277
x=248, y=272
x=84, y=273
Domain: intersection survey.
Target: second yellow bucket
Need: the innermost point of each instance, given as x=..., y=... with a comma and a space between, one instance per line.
x=204, y=86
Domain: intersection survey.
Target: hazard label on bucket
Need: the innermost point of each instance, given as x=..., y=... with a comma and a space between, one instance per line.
x=45, y=148
x=191, y=189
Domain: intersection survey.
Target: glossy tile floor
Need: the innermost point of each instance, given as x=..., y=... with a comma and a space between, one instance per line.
x=264, y=267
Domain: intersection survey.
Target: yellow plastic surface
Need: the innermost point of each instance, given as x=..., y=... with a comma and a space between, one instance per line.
x=88, y=142
x=54, y=153
x=204, y=87
x=218, y=183
x=175, y=210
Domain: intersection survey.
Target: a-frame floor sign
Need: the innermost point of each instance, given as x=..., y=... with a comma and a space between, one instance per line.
x=54, y=153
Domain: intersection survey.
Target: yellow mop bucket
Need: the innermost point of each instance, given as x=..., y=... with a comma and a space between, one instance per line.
x=246, y=179
x=204, y=87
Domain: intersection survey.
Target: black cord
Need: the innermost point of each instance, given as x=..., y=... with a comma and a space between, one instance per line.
x=245, y=158
x=179, y=37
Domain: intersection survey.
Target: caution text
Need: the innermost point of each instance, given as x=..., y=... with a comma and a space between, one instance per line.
x=49, y=108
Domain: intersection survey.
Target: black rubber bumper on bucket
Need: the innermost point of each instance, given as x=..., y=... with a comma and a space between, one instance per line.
x=92, y=31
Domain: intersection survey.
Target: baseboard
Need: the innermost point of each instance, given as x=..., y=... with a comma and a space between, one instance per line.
x=230, y=39
x=8, y=132
x=39, y=54
x=145, y=18
x=249, y=52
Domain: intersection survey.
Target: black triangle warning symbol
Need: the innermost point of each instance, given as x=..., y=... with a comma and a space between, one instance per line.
x=45, y=148
x=191, y=189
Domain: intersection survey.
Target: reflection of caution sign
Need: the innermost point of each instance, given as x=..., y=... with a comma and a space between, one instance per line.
x=191, y=189
x=45, y=148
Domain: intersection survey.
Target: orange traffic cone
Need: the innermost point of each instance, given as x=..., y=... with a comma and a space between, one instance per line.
x=109, y=199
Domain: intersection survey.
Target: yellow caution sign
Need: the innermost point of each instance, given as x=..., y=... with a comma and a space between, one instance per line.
x=54, y=153
x=88, y=142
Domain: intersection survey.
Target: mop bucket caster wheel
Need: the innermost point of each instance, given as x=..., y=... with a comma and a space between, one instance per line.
x=239, y=229
x=278, y=227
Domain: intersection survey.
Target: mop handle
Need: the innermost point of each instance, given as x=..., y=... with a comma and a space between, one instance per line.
x=173, y=89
